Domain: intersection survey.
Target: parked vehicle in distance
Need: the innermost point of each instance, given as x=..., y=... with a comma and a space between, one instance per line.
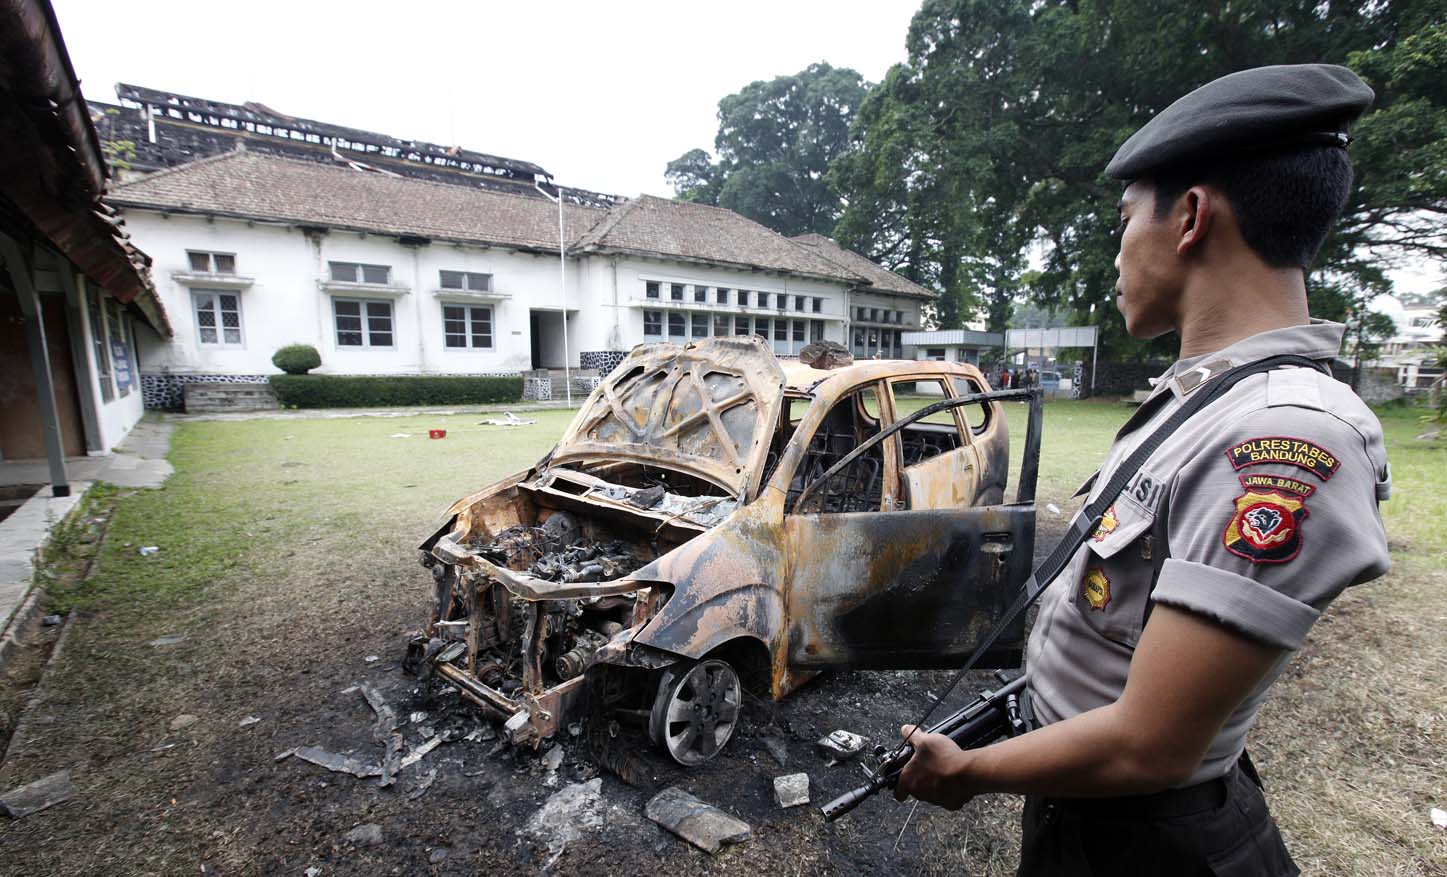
x=714, y=518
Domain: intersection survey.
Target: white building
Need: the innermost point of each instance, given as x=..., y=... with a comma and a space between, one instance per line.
x=393, y=275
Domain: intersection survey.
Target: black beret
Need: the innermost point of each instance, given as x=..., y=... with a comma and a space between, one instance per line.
x=1249, y=111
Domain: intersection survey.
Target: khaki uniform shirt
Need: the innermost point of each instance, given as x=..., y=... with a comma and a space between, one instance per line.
x=1270, y=495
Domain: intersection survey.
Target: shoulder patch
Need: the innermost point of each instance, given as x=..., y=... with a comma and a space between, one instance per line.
x=1265, y=525
x=1284, y=449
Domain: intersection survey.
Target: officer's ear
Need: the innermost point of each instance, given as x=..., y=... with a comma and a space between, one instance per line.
x=1193, y=217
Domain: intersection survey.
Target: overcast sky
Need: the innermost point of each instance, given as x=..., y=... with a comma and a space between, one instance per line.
x=602, y=95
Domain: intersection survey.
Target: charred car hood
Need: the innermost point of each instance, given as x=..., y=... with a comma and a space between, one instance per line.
x=705, y=408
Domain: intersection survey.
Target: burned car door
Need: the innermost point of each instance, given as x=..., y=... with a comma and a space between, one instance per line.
x=884, y=585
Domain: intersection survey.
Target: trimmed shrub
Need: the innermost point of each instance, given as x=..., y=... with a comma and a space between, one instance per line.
x=348, y=391
x=296, y=359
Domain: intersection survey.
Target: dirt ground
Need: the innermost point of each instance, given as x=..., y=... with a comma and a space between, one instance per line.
x=305, y=600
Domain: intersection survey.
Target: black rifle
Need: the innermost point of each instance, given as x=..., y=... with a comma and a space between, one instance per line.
x=982, y=721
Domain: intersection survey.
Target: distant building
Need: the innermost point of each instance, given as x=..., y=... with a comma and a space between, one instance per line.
x=390, y=274
x=1415, y=345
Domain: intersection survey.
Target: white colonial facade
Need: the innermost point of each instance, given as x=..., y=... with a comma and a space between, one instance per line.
x=239, y=287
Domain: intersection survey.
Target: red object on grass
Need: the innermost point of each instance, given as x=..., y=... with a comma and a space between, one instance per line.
x=437, y=433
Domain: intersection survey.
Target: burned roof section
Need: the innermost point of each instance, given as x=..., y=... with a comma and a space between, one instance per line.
x=166, y=129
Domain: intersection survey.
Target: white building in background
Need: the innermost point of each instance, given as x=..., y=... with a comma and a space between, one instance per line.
x=395, y=275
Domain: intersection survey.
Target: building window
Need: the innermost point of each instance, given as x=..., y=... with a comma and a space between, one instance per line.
x=935, y=353
x=218, y=316
x=720, y=324
x=783, y=301
x=781, y=330
x=799, y=303
x=899, y=316
x=700, y=325
x=675, y=326
x=117, y=328
x=467, y=280
x=816, y=329
x=675, y=292
x=354, y=272
x=874, y=315
x=721, y=295
x=799, y=331
x=818, y=305
x=211, y=263
x=700, y=294
x=653, y=323
x=743, y=298
x=98, y=343
x=363, y=323
x=741, y=325
x=651, y=289
x=761, y=329
x=467, y=326
x=763, y=299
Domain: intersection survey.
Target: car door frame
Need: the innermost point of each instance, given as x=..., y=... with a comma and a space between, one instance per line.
x=883, y=589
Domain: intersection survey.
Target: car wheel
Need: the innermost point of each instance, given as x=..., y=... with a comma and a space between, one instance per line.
x=696, y=710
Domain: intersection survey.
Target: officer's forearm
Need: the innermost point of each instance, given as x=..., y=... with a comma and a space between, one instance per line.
x=1187, y=676
x=1094, y=754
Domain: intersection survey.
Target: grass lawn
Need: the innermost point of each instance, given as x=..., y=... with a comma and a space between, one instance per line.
x=280, y=538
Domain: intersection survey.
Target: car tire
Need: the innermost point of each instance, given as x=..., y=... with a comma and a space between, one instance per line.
x=696, y=710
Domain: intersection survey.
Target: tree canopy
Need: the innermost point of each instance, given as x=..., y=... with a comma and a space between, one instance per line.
x=991, y=137
x=776, y=141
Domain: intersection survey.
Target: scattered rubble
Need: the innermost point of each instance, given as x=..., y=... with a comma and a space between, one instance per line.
x=702, y=825
x=338, y=763
x=247, y=722
x=778, y=749
x=184, y=721
x=423, y=785
x=553, y=758
x=384, y=731
x=565, y=816
x=148, y=550
x=439, y=855
x=840, y=746
x=420, y=752
x=50, y=620
x=1439, y=817
x=169, y=639
x=34, y=797
x=791, y=790
x=507, y=419
x=368, y=835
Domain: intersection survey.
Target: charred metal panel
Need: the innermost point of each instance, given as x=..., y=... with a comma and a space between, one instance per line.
x=903, y=589
x=726, y=586
x=703, y=408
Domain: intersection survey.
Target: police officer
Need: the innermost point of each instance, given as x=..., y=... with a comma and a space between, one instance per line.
x=1154, y=650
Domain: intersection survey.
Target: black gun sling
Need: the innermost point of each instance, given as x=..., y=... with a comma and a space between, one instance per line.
x=1089, y=517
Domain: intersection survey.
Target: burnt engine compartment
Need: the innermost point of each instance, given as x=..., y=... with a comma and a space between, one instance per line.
x=515, y=643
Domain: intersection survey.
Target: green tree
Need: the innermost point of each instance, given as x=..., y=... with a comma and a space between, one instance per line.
x=992, y=135
x=775, y=143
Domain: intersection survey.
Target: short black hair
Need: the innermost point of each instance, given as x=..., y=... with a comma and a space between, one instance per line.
x=1285, y=202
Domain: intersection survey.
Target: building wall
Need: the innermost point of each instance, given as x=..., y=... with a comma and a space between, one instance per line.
x=286, y=303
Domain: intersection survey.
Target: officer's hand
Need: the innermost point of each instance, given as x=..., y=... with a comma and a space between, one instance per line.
x=933, y=772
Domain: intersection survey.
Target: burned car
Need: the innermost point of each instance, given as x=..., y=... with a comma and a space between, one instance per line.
x=716, y=518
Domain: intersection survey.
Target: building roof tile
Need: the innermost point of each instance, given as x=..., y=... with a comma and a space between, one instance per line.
x=877, y=277
x=268, y=187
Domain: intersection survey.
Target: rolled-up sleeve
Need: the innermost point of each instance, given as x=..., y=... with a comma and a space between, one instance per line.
x=1270, y=521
